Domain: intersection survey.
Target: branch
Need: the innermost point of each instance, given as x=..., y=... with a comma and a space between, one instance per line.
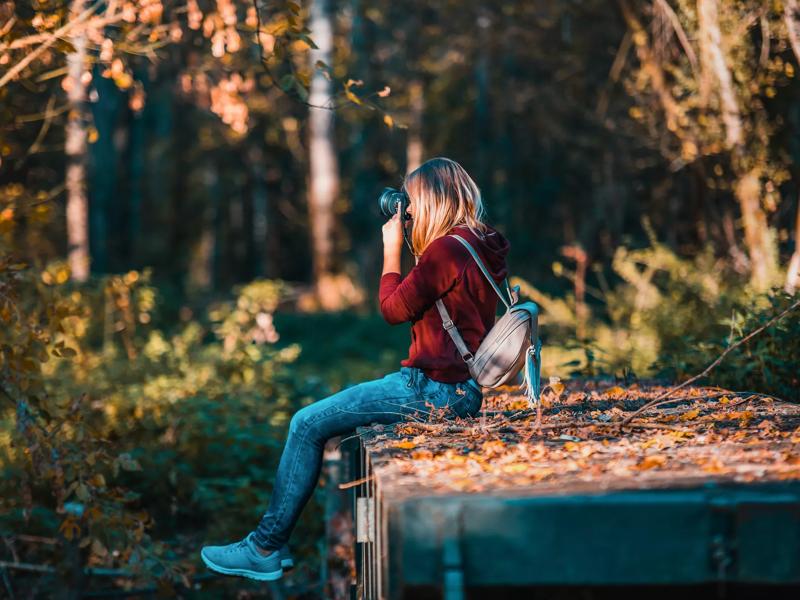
x=713, y=365
x=790, y=17
x=652, y=67
x=680, y=33
x=269, y=71
x=16, y=69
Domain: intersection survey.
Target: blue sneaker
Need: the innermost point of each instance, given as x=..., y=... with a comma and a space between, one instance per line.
x=243, y=558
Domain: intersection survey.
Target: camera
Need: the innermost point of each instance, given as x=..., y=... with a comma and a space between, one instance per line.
x=392, y=200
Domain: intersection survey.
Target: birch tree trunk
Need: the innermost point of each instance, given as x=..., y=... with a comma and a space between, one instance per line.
x=323, y=165
x=75, y=148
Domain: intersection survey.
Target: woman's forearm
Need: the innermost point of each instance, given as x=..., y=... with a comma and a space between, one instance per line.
x=391, y=261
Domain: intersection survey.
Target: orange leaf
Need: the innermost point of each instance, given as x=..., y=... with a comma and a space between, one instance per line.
x=692, y=414
x=652, y=461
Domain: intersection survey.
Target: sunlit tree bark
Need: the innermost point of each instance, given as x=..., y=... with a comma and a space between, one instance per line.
x=75, y=149
x=714, y=68
x=324, y=169
x=793, y=272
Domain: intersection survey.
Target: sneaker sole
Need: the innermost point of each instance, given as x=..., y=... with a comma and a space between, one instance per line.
x=287, y=564
x=271, y=576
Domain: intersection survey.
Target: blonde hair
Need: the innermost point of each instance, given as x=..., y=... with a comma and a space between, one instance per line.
x=442, y=195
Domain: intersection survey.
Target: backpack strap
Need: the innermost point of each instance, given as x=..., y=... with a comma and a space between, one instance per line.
x=507, y=301
x=452, y=330
x=447, y=322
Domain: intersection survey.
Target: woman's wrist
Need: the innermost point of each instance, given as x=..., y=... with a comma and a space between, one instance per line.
x=391, y=260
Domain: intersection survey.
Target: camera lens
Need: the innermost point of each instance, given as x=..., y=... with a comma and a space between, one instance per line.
x=392, y=200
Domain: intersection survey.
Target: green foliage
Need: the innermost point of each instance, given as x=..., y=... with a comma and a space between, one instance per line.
x=767, y=363
x=671, y=316
x=354, y=348
x=121, y=434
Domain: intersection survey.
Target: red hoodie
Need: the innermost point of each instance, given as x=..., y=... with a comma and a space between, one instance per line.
x=446, y=270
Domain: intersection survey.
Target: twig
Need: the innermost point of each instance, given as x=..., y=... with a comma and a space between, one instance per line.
x=33, y=539
x=17, y=68
x=8, y=26
x=680, y=33
x=355, y=482
x=712, y=366
x=269, y=71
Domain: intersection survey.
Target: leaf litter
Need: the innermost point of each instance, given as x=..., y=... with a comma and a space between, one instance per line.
x=705, y=434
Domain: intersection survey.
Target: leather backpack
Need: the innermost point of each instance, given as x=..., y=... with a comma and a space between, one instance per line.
x=512, y=344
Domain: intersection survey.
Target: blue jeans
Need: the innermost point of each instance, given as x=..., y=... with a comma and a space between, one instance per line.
x=398, y=396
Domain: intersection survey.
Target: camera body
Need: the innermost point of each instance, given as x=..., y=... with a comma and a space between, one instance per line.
x=392, y=200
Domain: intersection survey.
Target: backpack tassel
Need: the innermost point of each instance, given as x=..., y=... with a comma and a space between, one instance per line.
x=531, y=380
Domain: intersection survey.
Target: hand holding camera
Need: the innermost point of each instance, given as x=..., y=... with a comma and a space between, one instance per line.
x=394, y=203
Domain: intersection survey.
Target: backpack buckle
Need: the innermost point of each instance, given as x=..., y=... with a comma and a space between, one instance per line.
x=448, y=324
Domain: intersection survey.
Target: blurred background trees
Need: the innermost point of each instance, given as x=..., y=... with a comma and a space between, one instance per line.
x=180, y=178
x=213, y=167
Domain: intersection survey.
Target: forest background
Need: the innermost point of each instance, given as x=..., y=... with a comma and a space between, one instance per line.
x=190, y=249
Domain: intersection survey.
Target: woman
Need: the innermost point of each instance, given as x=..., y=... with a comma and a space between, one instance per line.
x=443, y=199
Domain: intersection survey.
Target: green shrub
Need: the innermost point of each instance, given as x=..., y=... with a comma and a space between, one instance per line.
x=126, y=438
x=669, y=316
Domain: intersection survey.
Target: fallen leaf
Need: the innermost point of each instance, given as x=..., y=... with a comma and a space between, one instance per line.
x=652, y=461
x=692, y=414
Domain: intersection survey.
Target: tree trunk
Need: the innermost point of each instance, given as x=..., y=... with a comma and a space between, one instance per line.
x=103, y=172
x=414, y=144
x=482, y=99
x=75, y=149
x=205, y=254
x=260, y=211
x=714, y=66
x=757, y=235
x=138, y=143
x=323, y=182
x=364, y=172
x=793, y=272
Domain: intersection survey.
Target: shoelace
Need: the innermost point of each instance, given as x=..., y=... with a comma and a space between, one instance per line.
x=238, y=545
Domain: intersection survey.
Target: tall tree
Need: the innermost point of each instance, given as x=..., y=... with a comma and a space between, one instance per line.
x=715, y=111
x=758, y=238
x=75, y=149
x=323, y=178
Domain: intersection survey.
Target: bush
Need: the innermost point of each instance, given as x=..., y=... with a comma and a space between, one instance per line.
x=669, y=316
x=132, y=443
